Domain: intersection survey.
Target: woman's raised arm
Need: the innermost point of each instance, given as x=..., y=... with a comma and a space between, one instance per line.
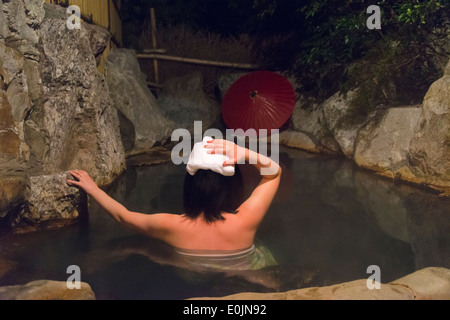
x=256, y=206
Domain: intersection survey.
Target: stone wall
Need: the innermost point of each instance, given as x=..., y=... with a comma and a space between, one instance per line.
x=410, y=143
x=56, y=113
x=142, y=123
x=429, y=155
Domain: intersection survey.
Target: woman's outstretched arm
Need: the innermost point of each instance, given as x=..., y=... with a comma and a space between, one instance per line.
x=111, y=206
x=150, y=225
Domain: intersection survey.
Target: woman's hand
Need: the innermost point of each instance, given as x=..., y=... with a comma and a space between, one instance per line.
x=83, y=180
x=236, y=154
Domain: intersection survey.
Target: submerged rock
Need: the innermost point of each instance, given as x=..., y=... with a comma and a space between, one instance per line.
x=46, y=290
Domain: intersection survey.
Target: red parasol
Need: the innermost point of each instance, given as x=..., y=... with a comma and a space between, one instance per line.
x=259, y=100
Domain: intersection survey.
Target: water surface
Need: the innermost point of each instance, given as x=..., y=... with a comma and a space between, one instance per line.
x=329, y=222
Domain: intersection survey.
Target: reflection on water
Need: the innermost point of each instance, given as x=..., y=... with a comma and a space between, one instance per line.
x=328, y=223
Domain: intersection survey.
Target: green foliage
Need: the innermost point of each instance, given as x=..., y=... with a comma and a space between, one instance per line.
x=327, y=46
x=319, y=39
x=416, y=11
x=399, y=67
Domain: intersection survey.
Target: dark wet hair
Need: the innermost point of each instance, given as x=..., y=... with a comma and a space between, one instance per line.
x=212, y=194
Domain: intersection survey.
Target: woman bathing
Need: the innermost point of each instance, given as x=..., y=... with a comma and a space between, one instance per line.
x=215, y=219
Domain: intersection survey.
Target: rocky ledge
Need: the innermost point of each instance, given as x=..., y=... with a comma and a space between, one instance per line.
x=409, y=143
x=425, y=284
x=46, y=290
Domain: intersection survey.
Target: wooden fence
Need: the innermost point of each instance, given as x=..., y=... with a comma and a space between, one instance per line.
x=104, y=13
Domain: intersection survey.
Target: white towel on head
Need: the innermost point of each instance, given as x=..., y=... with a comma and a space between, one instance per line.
x=200, y=159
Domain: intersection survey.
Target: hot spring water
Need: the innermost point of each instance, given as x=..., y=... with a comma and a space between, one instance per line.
x=329, y=222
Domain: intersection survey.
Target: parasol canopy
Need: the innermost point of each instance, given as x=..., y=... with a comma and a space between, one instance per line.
x=259, y=100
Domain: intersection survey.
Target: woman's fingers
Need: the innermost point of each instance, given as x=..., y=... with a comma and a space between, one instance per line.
x=228, y=163
x=219, y=146
x=78, y=173
x=214, y=147
x=74, y=173
x=223, y=147
x=72, y=182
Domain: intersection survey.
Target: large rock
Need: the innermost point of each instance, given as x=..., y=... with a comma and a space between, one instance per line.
x=9, y=136
x=51, y=201
x=13, y=150
x=383, y=144
x=184, y=101
x=55, y=111
x=309, y=119
x=337, y=117
x=46, y=290
x=14, y=104
x=3, y=25
x=12, y=63
x=426, y=284
x=98, y=37
x=13, y=191
x=142, y=123
x=354, y=290
x=76, y=125
x=430, y=146
x=19, y=23
x=298, y=140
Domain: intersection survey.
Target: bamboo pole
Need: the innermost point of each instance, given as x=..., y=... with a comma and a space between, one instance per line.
x=154, y=45
x=221, y=64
